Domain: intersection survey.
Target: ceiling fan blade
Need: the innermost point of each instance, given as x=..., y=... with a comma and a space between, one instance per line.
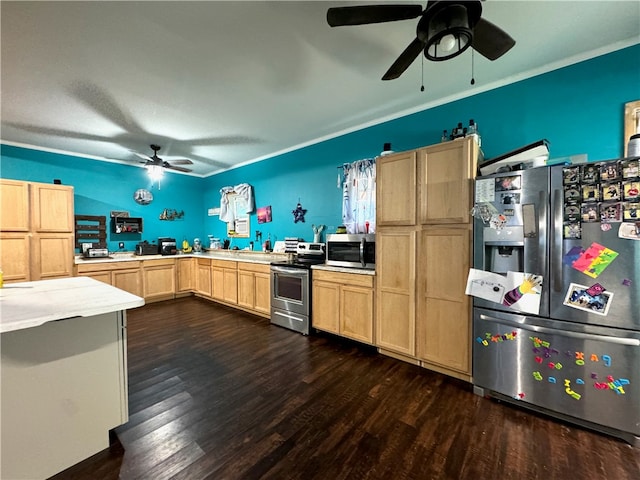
x=172, y=167
x=144, y=157
x=182, y=161
x=365, y=14
x=491, y=41
x=405, y=59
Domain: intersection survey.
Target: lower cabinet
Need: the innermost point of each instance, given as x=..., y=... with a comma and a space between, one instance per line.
x=254, y=287
x=126, y=276
x=203, y=277
x=185, y=275
x=224, y=281
x=443, y=318
x=343, y=304
x=159, y=279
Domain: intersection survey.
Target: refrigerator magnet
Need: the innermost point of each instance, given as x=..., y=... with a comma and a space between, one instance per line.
x=572, y=230
x=629, y=231
x=590, y=193
x=570, y=175
x=611, y=191
x=571, y=193
x=631, y=189
x=610, y=212
x=577, y=297
x=630, y=168
x=590, y=174
x=631, y=210
x=589, y=213
x=609, y=171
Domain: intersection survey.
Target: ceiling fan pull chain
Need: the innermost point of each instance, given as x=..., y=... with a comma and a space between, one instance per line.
x=473, y=80
x=422, y=87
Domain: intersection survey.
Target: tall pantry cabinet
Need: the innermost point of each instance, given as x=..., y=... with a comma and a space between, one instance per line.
x=36, y=230
x=423, y=242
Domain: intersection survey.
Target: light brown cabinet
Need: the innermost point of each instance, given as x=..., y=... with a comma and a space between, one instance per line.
x=185, y=275
x=443, y=325
x=395, y=289
x=36, y=230
x=254, y=287
x=343, y=304
x=422, y=260
x=445, y=181
x=224, y=281
x=203, y=277
x=159, y=279
x=124, y=275
x=396, y=189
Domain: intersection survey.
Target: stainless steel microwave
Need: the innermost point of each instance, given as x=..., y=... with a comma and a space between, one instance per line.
x=352, y=250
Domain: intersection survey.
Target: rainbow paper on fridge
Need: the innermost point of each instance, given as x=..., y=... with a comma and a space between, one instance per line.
x=594, y=260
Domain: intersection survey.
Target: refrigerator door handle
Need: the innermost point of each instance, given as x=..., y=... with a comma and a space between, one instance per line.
x=634, y=342
x=556, y=242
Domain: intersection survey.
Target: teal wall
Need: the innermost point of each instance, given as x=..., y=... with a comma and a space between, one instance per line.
x=579, y=109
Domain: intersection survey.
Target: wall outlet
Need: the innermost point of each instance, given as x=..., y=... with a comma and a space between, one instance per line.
x=121, y=245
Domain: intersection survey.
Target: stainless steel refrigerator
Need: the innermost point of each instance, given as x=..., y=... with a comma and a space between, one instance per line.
x=577, y=229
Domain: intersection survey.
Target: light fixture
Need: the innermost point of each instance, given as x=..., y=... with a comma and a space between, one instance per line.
x=155, y=172
x=449, y=32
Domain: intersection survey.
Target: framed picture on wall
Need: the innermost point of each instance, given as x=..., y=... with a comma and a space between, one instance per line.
x=264, y=214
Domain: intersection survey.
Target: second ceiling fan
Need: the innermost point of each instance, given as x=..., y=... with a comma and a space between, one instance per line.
x=445, y=30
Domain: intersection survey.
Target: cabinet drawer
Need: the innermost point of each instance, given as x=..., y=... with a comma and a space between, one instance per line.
x=159, y=262
x=356, y=279
x=224, y=264
x=254, y=267
x=102, y=266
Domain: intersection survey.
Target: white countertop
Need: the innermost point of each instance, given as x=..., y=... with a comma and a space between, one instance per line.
x=235, y=255
x=30, y=304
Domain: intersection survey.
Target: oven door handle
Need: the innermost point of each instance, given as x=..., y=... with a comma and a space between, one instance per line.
x=288, y=270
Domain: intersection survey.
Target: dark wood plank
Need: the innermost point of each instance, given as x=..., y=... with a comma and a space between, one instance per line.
x=220, y=394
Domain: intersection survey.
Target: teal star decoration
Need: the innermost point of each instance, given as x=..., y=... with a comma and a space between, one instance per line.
x=298, y=214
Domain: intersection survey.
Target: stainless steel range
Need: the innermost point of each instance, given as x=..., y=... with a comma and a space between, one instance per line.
x=291, y=288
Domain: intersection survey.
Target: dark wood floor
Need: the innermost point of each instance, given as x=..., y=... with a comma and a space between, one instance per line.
x=218, y=394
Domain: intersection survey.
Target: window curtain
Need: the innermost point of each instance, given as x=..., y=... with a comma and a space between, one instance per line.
x=359, y=196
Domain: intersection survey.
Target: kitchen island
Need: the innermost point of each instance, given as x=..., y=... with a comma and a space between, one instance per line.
x=63, y=372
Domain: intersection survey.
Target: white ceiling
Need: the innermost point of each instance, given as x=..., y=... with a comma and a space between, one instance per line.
x=228, y=83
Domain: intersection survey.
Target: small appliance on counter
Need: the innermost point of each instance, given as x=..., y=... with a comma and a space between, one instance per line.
x=357, y=250
x=167, y=246
x=310, y=252
x=197, y=246
x=146, y=248
x=96, y=253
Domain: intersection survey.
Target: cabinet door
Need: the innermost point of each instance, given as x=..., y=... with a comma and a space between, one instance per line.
x=129, y=280
x=51, y=208
x=356, y=313
x=217, y=283
x=396, y=189
x=14, y=206
x=104, y=277
x=395, y=290
x=15, y=255
x=203, y=277
x=159, y=279
x=185, y=275
x=443, y=324
x=51, y=256
x=326, y=306
x=262, y=293
x=445, y=181
x=246, y=289
x=230, y=286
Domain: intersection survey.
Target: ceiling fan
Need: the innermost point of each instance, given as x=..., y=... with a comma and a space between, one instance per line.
x=156, y=161
x=445, y=30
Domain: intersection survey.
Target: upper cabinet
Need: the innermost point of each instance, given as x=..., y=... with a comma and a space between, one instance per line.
x=14, y=206
x=445, y=181
x=51, y=208
x=396, y=189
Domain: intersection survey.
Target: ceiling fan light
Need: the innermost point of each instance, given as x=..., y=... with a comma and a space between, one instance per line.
x=448, y=34
x=155, y=172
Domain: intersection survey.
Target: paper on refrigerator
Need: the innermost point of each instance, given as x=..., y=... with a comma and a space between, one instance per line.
x=518, y=291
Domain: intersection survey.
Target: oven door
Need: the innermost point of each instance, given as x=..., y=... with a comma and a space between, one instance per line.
x=290, y=289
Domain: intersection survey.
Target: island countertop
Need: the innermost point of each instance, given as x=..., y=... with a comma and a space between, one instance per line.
x=30, y=304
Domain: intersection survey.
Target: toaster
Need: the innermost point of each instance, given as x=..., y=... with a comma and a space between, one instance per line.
x=146, y=248
x=96, y=253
